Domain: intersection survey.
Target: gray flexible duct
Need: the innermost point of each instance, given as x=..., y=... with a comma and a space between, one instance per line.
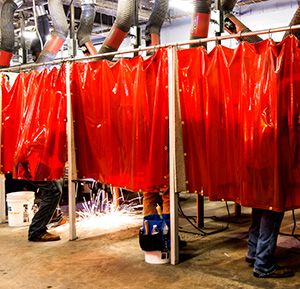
x=156, y=19
x=43, y=29
x=202, y=7
x=227, y=5
x=86, y=22
x=7, y=28
x=59, y=34
x=121, y=26
x=295, y=21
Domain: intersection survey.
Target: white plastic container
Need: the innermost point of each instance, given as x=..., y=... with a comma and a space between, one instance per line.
x=157, y=257
x=20, y=204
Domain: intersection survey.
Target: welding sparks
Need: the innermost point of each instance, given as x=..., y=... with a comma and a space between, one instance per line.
x=100, y=215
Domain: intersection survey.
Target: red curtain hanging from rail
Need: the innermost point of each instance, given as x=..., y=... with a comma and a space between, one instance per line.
x=240, y=110
x=34, y=129
x=121, y=125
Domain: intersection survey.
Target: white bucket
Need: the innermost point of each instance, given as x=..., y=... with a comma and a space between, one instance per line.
x=20, y=208
x=157, y=257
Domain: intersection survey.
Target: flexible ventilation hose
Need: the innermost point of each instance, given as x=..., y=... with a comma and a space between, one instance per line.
x=234, y=26
x=86, y=27
x=43, y=30
x=200, y=20
x=121, y=26
x=155, y=22
x=7, y=31
x=58, y=36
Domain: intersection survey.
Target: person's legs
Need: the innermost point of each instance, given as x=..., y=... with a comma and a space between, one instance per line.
x=254, y=233
x=51, y=196
x=149, y=203
x=166, y=202
x=265, y=263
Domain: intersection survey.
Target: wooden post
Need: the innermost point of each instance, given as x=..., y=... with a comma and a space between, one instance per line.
x=176, y=159
x=200, y=211
x=72, y=173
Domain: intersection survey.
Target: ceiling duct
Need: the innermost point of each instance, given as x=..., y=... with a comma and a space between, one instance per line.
x=120, y=28
x=200, y=20
x=58, y=36
x=86, y=27
x=7, y=31
x=43, y=31
x=155, y=22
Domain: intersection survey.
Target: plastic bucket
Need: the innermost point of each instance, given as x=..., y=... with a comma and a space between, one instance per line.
x=20, y=208
x=157, y=257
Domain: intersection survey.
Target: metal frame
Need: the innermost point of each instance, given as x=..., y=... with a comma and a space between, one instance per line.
x=177, y=174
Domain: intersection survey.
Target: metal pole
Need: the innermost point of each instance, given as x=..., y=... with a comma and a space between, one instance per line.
x=72, y=174
x=72, y=30
x=2, y=176
x=172, y=162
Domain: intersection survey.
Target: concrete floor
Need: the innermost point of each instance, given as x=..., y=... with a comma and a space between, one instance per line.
x=114, y=259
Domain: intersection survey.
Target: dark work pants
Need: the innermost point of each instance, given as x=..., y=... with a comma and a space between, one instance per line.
x=51, y=194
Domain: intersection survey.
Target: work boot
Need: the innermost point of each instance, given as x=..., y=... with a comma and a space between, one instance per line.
x=48, y=237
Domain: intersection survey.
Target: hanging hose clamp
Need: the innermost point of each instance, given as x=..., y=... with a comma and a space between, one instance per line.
x=270, y=34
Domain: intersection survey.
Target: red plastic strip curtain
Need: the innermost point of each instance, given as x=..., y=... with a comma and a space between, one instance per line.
x=121, y=124
x=240, y=110
x=36, y=114
x=14, y=103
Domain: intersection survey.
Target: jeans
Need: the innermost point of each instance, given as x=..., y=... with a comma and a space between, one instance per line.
x=262, y=242
x=51, y=191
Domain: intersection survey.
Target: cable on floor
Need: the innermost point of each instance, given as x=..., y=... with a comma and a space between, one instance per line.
x=202, y=233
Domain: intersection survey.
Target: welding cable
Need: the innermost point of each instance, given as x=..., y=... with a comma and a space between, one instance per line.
x=203, y=233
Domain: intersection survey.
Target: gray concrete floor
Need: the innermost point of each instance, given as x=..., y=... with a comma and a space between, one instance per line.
x=114, y=259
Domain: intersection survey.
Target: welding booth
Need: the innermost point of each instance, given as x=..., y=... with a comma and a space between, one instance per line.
x=224, y=124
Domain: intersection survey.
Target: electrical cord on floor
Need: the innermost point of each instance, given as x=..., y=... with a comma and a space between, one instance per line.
x=294, y=228
x=202, y=233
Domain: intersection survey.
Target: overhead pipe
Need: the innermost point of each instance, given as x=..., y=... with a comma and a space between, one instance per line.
x=155, y=22
x=7, y=31
x=43, y=31
x=233, y=25
x=58, y=36
x=200, y=20
x=120, y=28
x=86, y=27
x=295, y=20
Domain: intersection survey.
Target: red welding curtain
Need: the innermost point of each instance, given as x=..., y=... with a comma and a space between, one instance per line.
x=34, y=129
x=121, y=125
x=241, y=123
